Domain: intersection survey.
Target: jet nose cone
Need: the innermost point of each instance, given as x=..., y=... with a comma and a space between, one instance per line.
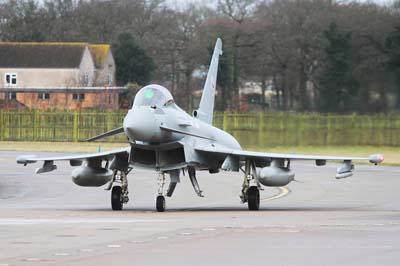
x=140, y=124
x=129, y=131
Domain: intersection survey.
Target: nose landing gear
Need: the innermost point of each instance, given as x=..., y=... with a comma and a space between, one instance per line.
x=160, y=199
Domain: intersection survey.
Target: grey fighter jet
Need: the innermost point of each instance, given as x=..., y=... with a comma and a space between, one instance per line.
x=166, y=139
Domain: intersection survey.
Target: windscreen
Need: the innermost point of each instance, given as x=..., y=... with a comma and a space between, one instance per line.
x=153, y=95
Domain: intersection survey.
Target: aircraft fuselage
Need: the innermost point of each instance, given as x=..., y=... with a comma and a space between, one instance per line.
x=164, y=137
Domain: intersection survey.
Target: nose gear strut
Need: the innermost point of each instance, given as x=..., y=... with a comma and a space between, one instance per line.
x=160, y=199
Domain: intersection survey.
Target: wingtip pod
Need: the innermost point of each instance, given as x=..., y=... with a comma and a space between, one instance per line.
x=376, y=158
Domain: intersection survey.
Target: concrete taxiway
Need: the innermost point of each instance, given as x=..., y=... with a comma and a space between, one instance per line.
x=47, y=220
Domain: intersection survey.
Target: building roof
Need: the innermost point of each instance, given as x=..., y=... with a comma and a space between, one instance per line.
x=99, y=53
x=41, y=55
x=49, y=54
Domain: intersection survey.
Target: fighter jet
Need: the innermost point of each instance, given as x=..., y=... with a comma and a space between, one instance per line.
x=166, y=139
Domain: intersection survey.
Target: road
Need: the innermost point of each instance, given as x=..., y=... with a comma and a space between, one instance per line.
x=318, y=220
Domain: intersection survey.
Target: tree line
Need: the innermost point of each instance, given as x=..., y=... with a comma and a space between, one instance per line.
x=314, y=55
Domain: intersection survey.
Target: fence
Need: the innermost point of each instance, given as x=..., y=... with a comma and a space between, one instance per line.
x=251, y=129
x=304, y=129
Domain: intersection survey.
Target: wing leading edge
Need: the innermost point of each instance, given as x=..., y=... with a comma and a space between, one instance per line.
x=375, y=159
x=75, y=160
x=27, y=159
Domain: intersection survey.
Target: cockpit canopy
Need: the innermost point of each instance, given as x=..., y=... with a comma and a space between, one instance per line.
x=153, y=95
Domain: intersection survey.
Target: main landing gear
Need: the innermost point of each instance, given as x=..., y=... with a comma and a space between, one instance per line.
x=251, y=187
x=119, y=191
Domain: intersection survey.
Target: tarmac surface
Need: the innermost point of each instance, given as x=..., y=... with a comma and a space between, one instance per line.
x=47, y=220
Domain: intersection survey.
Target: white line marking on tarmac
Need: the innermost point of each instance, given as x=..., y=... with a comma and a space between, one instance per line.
x=87, y=249
x=330, y=247
x=114, y=246
x=208, y=229
x=285, y=231
x=4, y=264
x=61, y=254
x=283, y=191
x=10, y=221
x=185, y=234
x=137, y=242
x=32, y=259
x=162, y=237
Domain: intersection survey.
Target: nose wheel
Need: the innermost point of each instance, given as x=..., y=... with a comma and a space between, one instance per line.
x=160, y=203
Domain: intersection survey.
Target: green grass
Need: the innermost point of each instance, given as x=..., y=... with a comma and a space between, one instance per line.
x=392, y=154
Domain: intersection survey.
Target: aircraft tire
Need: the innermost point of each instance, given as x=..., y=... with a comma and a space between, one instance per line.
x=116, y=202
x=160, y=203
x=253, y=198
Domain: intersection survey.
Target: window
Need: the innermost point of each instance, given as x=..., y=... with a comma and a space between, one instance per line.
x=109, y=79
x=86, y=79
x=12, y=96
x=43, y=96
x=10, y=79
x=78, y=96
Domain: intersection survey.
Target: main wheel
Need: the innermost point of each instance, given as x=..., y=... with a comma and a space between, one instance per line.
x=116, y=198
x=160, y=203
x=253, y=198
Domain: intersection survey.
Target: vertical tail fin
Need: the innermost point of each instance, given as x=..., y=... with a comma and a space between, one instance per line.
x=206, y=108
